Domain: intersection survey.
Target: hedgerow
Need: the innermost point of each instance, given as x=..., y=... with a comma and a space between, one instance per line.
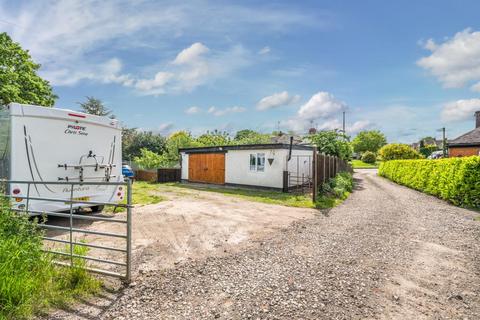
x=454, y=179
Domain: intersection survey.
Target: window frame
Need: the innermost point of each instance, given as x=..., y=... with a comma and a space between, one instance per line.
x=256, y=166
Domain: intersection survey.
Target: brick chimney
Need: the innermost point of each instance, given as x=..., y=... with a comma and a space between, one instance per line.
x=477, y=117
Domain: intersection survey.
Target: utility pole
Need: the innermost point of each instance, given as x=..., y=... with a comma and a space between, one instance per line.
x=343, y=125
x=444, y=143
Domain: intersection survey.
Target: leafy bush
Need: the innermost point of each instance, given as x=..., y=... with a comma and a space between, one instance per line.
x=428, y=149
x=453, y=179
x=335, y=190
x=149, y=160
x=339, y=186
x=334, y=143
x=398, y=151
x=29, y=281
x=368, y=140
x=369, y=157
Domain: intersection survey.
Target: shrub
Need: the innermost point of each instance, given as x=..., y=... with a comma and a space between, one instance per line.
x=334, y=191
x=149, y=160
x=368, y=140
x=453, y=179
x=333, y=143
x=340, y=186
x=398, y=151
x=428, y=149
x=369, y=157
x=29, y=281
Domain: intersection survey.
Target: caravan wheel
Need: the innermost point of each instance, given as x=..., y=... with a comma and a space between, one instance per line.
x=97, y=209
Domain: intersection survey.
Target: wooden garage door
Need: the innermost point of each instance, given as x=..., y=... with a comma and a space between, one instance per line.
x=206, y=167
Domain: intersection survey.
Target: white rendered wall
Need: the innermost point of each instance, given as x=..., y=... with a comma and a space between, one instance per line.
x=237, y=168
x=184, y=165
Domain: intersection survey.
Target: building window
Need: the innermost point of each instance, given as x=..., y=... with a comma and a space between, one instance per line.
x=257, y=162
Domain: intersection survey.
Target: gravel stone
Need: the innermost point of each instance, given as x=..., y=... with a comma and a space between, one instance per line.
x=387, y=252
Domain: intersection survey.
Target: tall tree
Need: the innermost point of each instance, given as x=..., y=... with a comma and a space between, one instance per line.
x=133, y=141
x=334, y=143
x=248, y=136
x=369, y=140
x=96, y=107
x=214, y=138
x=19, y=81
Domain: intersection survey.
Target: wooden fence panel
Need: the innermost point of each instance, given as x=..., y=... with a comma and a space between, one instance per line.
x=327, y=167
x=146, y=175
x=169, y=175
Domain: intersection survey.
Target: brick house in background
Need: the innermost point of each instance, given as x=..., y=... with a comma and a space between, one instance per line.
x=467, y=144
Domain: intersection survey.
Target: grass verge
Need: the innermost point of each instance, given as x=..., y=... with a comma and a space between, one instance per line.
x=29, y=281
x=143, y=193
x=359, y=164
x=271, y=197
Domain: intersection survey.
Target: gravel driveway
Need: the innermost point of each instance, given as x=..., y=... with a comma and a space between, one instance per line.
x=387, y=252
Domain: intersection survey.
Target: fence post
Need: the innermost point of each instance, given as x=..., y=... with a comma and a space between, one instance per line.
x=285, y=181
x=329, y=168
x=314, y=175
x=129, y=231
x=71, y=226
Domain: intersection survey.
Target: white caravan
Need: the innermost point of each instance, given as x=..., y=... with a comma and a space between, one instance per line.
x=49, y=144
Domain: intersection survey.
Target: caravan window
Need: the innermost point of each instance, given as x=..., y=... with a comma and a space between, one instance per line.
x=4, y=144
x=257, y=162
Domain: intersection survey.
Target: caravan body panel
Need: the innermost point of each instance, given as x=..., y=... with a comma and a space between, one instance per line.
x=49, y=144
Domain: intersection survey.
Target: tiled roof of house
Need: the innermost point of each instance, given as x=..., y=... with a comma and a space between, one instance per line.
x=471, y=138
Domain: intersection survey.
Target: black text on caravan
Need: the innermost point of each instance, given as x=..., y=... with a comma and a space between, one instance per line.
x=76, y=129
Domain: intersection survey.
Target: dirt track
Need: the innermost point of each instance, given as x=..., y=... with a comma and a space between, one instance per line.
x=388, y=252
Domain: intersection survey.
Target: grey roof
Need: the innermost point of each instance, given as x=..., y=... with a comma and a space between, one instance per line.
x=471, y=138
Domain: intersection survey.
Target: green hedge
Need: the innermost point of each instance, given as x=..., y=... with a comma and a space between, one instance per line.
x=454, y=179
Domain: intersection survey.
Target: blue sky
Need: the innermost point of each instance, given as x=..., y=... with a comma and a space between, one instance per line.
x=406, y=68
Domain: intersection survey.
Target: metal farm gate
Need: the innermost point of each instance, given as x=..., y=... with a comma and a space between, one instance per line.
x=298, y=177
x=71, y=227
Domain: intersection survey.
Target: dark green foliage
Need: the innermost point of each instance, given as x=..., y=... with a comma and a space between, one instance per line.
x=454, y=179
x=398, y=151
x=335, y=190
x=19, y=81
x=333, y=143
x=427, y=150
x=371, y=140
x=369, y=157
x=133, y=141
x=248, y=136
x=96, y=107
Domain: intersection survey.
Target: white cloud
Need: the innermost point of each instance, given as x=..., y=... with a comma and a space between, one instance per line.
x=456, y=61
x=476, y=87
x=221, y=112
x=193, y=110
x=75, y=40
x=321, y=110
x=321, y=105
x=190, y=69
x=324, y=112
x=165, y=128
x=277, y=100
x=358, y=126
x=460, y=110
x=264, y=50
x=156, y=85
x=191, y=54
